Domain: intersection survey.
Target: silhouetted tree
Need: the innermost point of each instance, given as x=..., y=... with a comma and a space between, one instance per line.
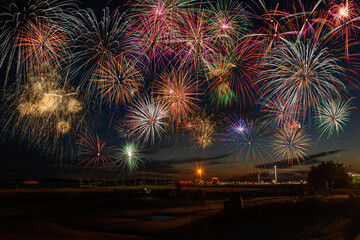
x=333, y=174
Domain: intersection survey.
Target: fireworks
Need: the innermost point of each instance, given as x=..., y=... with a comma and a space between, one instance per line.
x=162, y=66
x=147, y=119
x=250, y=143
x=222, y=95
x=301, y=76
x=117, y=80
x=98, y=43
x=235, y=130
x=43, y=112
x=195, y=39
x=124, y=128
x=130, y=157
x=93, y=151
x=202, y=129
x=277, y=114
x=177, y=90
x=25, y=14
x=155, y=23
x=229, y=20
x=290, y=144
x=233, y=72
x=42, y=41
x=333, y=116
x=344, y=21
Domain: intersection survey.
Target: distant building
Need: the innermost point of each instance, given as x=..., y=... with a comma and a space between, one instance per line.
x=355, y=177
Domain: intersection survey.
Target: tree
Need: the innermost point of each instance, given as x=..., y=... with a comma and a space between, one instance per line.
x=329, y=173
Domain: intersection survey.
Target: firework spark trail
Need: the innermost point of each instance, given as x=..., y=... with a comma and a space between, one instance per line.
x=273, y=30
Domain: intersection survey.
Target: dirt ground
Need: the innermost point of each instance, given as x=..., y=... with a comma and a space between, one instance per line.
x=84, y=215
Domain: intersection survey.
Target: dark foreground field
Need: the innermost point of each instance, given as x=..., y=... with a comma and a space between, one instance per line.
x=109, y=214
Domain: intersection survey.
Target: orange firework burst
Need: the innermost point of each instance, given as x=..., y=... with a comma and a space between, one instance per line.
x=274, y=29
x=117, y=80
x=344, y=21
x=177, y=90
x=43, y=41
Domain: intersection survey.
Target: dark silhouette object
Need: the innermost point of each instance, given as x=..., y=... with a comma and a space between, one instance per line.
x=147, y=193
x=178, y=188
x=235, y=204
x=328, y=175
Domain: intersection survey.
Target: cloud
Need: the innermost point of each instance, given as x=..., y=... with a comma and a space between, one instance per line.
x=171, y=166
x=309, y=160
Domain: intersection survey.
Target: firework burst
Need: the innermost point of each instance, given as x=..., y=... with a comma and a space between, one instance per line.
x=291, y=144
x=195, y=39
x=147, y=119
x=44, y=111
x=277, y=114
x=235, y=130
x=333, y=116
x=229, y=20
x=154, y=23
x=93, y=151
x=98, y=43
x=300, y=76
x=130, y=157
x=202, y=130
x=233, y=72
x=22, y=14
x=42, y=41
x=177, y=90
x=124, y=128
x=344, y=20
x=250, y=145
x=117, y=80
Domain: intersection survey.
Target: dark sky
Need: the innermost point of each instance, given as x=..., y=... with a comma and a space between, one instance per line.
x=171, y=159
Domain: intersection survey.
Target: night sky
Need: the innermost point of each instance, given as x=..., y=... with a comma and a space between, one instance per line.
x=173, y=157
